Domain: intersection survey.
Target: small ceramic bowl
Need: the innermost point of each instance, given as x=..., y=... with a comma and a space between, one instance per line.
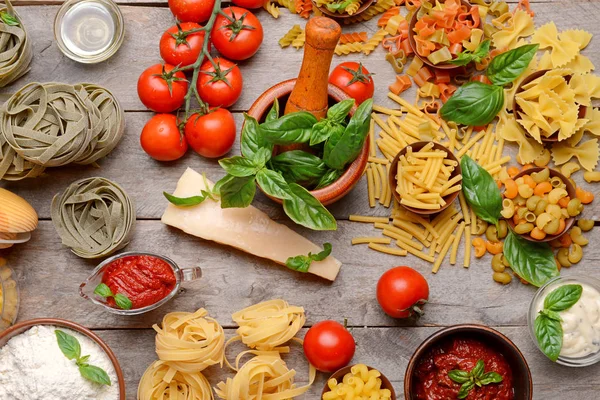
x=522, y=382
x=413, y=44
x=537, y=304
x=61, y=323
x=570, y=188
x=340, y=373
x=517, y=109
x=86, y=289
x=338, y=189
x=449, y=199
x=363, y=6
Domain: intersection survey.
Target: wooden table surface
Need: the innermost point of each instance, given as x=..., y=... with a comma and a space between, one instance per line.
x=49, y=274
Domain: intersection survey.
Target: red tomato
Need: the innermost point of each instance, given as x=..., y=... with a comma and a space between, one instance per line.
x=401, y=292
x=153, y=88
x=161, y=138
x=354, y=80
x=249, y=3
x=237, y=36
x=329, y=346
x=178, y=47
x=191, y=10
x=211, y=135
x=221, y=87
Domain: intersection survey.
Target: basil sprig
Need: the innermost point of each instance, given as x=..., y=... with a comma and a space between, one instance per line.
x=466, y=57
x=299, y=166
x=481, y=191
x=193, y=200
x=547, y=327
x=301, y=263
x=475, y=377
x=532, y=261
x=9, y=19
x=70, y=347
x=121, y=300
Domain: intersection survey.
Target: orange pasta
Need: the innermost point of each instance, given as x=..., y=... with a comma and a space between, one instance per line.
x=442, y=76
x=385, y=17
x=402, y=83
x=525, y=6
x=353, y=37
x=446, y=91
x=481, y=78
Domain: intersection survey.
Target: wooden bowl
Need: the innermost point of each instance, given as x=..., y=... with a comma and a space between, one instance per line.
x=363, y=6
x=449, y=199
x=413, y=44
x=516, y=108
x=338, y=189
x=340, y=373
x=21, y=327
x=522, y=382
x=572, y=194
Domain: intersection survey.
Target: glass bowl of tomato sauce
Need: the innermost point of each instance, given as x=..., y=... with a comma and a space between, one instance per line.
x=134, y=283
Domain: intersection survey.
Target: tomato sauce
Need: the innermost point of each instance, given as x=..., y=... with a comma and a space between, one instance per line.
x=433, y=383
x=145, y=280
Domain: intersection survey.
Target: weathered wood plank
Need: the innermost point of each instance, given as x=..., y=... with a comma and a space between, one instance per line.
x=49, y=276
x=388, y=349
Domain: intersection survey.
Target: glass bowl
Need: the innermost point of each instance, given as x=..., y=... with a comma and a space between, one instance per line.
x=86, y=289
x=89, y=31
x=537, y=303
x=9, y=296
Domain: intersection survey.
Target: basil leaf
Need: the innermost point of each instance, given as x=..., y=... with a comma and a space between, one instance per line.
x=184, y=201
x=474, y=104
x=329, y=177
x=273, y=184
x=95, y=374
x=466, y=57
x=240, y=166
x=322, y=254
x=339, y=112
x=68, y=344
x=217, y=188
x=123, y=302
x=289, y=129
x=8, y=19
x=299, y=166
x=549, y=334
x=551, y=314
x=481, y=191
x=459, y=376
x=103, y=290
x=322, y=130
x=273, y=113
x=563, y=298
x=465, y=389
x=252, y=138
x=262, y=156
x=307, y=211
x=83, y=360
x=532, y=261
x=343, y=149
x=478, y=369
x=508, y=66
x=238, y=192
x=490, y=377
x=302, y=263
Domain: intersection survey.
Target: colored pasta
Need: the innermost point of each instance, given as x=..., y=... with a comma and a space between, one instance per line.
x=354, y=37
x=290, y=36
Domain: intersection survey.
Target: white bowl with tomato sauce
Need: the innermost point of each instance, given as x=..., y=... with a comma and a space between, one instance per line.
x=147, y=280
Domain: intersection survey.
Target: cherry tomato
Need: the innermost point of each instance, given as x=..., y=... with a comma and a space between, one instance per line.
x=211, y=135
x=249, y=3
x=161, y=138
x=178, y=47
x=354, y=80
x=191, y=10
x=220, y=87
x=401, y=292
x=237, y=36
x=329, y=346
x=153, y=88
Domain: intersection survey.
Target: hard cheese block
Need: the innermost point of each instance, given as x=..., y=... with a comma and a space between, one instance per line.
x=247, y=229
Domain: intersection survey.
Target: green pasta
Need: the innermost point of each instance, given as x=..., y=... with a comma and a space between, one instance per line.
x=15, y=47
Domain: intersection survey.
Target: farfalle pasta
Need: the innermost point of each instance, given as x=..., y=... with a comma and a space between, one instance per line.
x=563, y=49
x=509, y=130
x=520, y=24
x=587, y=153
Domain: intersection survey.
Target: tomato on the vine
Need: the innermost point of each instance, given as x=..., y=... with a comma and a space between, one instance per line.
x=161, y=138
x=329, y=346
x=180, y=45
x=249, y=3
x=237, y=33
x=401, y=292
x=192, y=10
x=354, y=80
x=220, y=86
x=211, y=134
x=161, y=89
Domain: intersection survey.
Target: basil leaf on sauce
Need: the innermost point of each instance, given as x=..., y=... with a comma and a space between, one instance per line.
x=481, y=191
x=68, y=344
x=549, y=334
x=508, y=66
x=94, y=374
x=490, y=377
x=474, y=104
x=563, y=297
x=103, y=290
x=478, y=369
x=465, y=389
x=304, y=209
x=459, y=376
x=123, y=301
x=532, y=261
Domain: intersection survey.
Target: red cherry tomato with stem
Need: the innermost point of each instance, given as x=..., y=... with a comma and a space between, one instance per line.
x=354, y=80
x=162, y=139
x=237, y=33
x=220, y=86
x=401, y=292
x=192, y=10
x=182, y=44
x=161, y=89
x=329, y=346
x=212, y=134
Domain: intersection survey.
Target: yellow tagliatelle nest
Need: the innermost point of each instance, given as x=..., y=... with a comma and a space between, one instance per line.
x=190, y=342
x=158, y=383
x=359, y=383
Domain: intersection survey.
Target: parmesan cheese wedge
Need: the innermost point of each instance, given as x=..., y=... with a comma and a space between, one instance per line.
x=247, y=229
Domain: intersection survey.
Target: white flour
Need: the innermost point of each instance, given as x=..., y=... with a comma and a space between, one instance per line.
x=32, y=367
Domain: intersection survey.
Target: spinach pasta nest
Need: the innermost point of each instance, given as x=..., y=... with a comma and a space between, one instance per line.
x=55, y=124
x=15, y=47
x=94, y=217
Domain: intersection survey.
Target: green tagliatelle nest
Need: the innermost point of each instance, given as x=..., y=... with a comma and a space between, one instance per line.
x=15, y=47
x=94, y=217
x=55, y=124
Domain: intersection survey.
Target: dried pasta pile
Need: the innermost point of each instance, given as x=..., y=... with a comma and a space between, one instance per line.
x=16, y=50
